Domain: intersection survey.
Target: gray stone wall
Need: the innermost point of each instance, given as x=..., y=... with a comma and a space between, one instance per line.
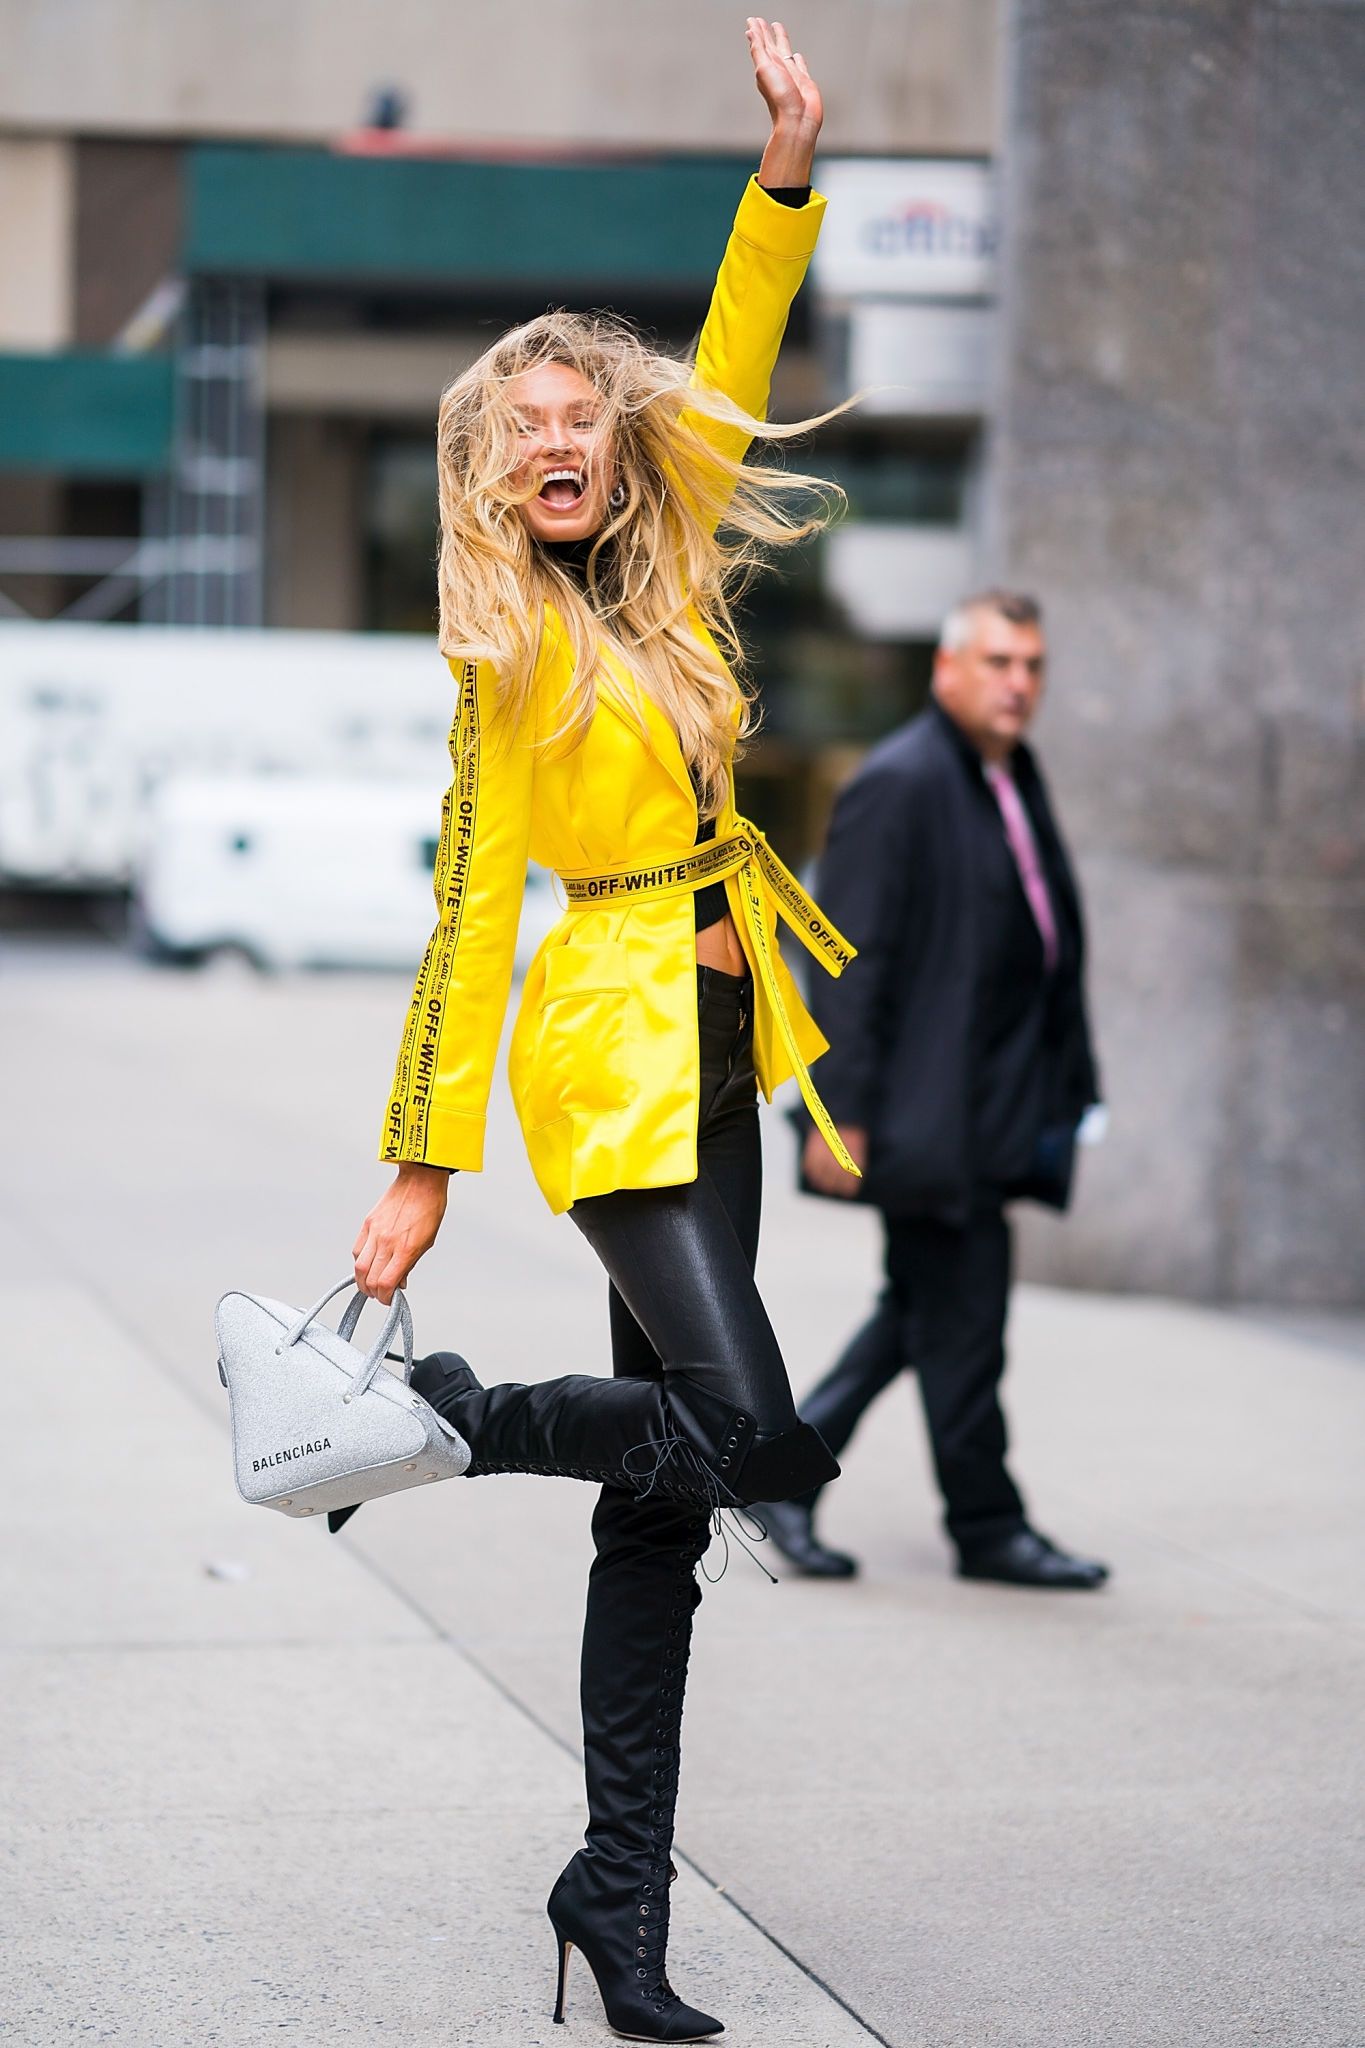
x=1179, y=471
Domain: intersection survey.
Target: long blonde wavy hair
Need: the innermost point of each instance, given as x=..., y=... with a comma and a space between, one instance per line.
x=693, y=522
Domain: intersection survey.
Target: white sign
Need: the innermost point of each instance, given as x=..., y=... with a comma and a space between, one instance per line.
x=919, y=359
x=907, y=228
x=897, y=582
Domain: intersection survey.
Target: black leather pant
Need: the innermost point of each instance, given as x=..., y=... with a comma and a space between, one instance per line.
x=699, y=1405
x=681, y=1262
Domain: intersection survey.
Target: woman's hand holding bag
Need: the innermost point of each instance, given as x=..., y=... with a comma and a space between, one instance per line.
x=401, y=1226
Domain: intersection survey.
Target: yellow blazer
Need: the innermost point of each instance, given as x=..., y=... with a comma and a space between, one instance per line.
x=604, y=1057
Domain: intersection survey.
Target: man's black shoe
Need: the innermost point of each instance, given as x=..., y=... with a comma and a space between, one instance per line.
x=792, y=1529
x=1028, y=1559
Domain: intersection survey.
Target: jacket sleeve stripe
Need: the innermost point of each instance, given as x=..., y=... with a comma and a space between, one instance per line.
x=420, y=1051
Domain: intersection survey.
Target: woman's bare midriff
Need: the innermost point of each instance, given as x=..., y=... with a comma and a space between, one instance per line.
x=718, y=946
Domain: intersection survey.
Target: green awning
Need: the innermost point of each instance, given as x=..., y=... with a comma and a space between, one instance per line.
x=305, y=213
x=86, y=415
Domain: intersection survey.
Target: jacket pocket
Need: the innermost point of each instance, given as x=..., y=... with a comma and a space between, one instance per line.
x=581, y=1062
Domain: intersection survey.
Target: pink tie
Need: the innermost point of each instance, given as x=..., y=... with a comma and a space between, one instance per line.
x=1019, y=836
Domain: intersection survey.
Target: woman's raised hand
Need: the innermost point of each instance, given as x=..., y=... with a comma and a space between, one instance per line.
x=401, y=1226
x=792, y=98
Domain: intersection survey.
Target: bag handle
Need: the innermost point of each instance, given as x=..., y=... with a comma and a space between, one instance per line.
x=399, y=1317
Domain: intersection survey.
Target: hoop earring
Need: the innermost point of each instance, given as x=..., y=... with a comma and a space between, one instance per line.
x=617, y=498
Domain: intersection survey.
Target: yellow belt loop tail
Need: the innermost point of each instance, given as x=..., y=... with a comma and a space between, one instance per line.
x=746, y=854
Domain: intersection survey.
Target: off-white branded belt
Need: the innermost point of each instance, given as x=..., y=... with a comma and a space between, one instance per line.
x=746, y=854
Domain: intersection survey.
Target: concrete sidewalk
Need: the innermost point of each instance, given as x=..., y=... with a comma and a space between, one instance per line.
x=261, y=1780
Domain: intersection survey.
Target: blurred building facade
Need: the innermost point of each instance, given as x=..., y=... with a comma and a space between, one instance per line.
x=241, y=251
x=247, y=251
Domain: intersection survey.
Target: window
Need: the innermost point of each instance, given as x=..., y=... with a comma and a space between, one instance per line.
x=401, y=534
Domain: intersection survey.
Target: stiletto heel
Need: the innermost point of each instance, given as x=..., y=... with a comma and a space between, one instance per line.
x=565, y=1951
x=622, y=1931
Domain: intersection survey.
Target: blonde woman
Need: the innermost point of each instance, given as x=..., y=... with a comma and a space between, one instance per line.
x=584, y=576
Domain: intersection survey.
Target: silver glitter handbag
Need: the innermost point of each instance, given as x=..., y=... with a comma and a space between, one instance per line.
x=317, y=1423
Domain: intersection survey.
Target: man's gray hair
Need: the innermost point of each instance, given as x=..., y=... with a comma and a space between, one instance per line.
x=1015, y=605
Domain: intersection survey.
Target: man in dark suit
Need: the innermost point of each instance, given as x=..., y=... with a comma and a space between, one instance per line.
x=959, y=1068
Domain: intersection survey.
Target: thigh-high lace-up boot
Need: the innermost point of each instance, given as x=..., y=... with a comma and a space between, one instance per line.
x=611, y=1903
x=676, y=1439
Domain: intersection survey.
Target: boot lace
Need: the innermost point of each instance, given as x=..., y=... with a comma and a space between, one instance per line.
x=652, y=1465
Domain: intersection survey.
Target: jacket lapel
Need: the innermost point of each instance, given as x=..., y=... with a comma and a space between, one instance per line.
x=617, y=697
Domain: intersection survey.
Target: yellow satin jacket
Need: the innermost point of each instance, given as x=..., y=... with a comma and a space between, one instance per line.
x=604, y=1055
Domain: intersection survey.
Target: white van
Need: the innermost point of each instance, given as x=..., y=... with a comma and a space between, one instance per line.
x=300, y=871
x=94, y=718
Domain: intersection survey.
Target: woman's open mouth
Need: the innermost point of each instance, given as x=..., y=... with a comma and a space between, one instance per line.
x=563, y=489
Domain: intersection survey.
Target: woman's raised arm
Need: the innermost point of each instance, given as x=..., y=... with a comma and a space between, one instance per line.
x=793, y=101
x=768, y=250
